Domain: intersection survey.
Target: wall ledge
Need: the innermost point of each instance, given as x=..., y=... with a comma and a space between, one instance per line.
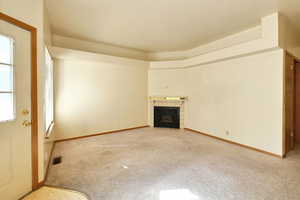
x=68, y=54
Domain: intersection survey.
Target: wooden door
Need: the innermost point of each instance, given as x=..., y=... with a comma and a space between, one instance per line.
x=15, y=112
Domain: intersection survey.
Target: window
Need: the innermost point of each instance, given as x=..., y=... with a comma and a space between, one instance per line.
x=48, y=92
x=7, y=94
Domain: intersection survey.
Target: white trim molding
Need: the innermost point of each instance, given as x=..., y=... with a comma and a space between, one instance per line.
x=64, y=53
x=98, y=47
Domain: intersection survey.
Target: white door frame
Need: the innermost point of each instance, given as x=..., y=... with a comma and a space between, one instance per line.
x=34, y=96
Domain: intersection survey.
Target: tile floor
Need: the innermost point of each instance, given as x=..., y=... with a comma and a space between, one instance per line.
x=50, y=193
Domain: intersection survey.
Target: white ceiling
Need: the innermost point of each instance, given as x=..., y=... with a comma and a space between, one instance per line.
x=161, y=25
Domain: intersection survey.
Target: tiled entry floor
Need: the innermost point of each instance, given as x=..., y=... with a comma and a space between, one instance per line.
x=170, y=164
x=50, y=193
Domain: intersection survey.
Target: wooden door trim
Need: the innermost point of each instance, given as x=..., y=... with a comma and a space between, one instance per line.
x=34, y=96
x=292, y=55
x=294, y=106
x=296, y=62
x=287, y=113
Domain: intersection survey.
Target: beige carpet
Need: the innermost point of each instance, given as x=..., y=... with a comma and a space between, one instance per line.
x=170, y=164
x=50, y=193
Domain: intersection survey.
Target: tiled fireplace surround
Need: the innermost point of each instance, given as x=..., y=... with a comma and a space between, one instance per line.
x=164, y=101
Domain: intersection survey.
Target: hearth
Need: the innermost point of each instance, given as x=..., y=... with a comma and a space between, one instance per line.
x=166, y=117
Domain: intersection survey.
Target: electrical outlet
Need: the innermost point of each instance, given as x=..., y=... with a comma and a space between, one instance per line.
x=227, y=132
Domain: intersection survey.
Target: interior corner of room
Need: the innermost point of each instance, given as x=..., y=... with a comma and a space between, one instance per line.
x=237, y=90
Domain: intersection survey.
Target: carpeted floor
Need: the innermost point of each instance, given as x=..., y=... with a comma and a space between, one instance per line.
x=170, y=164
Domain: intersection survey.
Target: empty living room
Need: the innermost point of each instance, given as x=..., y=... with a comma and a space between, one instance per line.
x=150, y=100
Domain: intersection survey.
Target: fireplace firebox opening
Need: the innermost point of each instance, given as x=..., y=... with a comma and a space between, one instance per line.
x=166, y=117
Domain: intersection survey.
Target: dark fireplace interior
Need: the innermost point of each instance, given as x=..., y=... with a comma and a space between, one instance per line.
x=166, y=117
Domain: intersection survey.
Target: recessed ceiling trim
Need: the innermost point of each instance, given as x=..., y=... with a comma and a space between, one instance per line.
x=235, y=39
x=161, y=26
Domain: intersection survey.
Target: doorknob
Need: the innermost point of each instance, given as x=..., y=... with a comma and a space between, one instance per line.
x=26, y=123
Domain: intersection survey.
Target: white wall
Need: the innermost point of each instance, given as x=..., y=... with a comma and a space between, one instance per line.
x=236, y=89
x=47, y=29
x=242, y=96
x=169, y=82
x=93, y=96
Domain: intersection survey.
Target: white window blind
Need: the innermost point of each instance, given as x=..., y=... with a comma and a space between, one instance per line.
x=49, y=105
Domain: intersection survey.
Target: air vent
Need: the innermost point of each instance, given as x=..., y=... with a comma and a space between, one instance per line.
x=56, y=160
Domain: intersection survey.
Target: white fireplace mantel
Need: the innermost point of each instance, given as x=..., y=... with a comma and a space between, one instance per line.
x=168, y=101
x=169, y=98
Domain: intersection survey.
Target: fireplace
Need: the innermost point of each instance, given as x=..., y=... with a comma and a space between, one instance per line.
x=167, y=117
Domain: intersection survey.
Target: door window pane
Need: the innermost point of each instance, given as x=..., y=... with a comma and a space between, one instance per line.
x=7, y=103
x=6, y=78
x=6, y=106
x=5, y=49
